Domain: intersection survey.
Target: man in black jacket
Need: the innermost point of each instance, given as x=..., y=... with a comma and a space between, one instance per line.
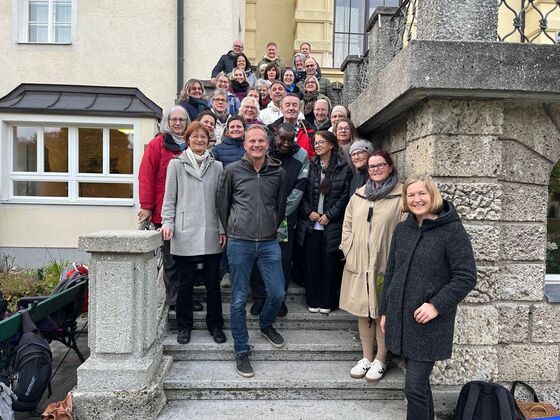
x=226, y=62
x=295, y=163
x=251, y=202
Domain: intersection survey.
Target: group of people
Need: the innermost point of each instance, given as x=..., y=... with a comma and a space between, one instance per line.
x=235, y=192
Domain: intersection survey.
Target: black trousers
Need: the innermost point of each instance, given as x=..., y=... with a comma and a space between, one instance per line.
x=418, y=390
x=323, y=272
x=287, y=248
x=211, y=276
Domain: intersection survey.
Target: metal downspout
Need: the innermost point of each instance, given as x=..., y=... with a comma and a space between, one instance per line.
x=180, y=45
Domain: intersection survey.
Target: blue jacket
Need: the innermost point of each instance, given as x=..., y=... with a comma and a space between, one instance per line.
x=229, y=151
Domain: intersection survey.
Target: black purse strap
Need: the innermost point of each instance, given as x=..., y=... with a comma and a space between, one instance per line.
x=527, y=386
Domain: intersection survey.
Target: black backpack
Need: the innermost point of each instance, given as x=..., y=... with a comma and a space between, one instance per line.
x=31, y=368
x=480, y=400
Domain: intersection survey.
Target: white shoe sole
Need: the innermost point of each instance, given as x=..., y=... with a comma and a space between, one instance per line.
x=313, y=310
x=353, y=375
x=245, y=375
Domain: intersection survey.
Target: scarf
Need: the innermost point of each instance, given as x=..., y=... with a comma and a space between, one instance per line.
x=221, y=117
x=373, y=193
x=197, y=162
x=199, y=104
x=239, y=86
x=309, y=99
x=179, y=140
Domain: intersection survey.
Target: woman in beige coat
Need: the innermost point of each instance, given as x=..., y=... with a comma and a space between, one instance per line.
x=371, y=216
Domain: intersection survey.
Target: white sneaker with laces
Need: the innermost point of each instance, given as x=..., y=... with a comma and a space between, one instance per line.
x=376, y=371
x=361, y=368
x=226, y=280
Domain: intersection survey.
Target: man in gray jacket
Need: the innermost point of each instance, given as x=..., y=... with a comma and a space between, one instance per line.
x=251, y=203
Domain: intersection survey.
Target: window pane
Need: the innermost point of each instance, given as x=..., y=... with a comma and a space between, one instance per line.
x=356, y=45
x=121, y=147
x=105, y=190
x=357, y=10
x=56, y=149
x=38, y=33
x=38, y=11
x=340, y=49
x=62, y=33
x=40, y=189
x=62, y=12
x=90, y=147
x=25, y=149
x=342, y=15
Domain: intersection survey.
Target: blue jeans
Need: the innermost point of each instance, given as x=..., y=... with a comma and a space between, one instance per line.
x=242, y=255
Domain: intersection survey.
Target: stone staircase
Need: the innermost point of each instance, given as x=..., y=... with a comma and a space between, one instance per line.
x=308, y=378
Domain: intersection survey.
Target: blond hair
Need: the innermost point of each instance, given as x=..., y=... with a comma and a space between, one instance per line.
x=435, y=196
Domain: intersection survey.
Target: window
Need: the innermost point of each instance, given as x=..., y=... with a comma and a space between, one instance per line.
x=63, y=163
x=350, y=20
x=45, y=21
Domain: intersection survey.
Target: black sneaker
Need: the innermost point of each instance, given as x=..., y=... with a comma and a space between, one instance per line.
x=273, y=336
x=243, y=364
x=283, y=310
x=184, y=337
x=197, y=306
x=218, y=335
x=257, y=307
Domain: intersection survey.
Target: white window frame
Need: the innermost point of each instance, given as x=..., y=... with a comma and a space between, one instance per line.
x=73, y=177
x=21, y=16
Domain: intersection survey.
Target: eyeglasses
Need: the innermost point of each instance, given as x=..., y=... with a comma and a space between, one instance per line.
x=219, y=100
x=343, y=129
x=282, y=139
x=378, y=166
x=319, y=143
x=358, y=153
x=177, y=120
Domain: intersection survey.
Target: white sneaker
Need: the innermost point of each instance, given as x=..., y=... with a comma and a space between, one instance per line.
x=226, y=281
x=325, y=311
x=376, y=371
x=361, y=368
x=312, y=310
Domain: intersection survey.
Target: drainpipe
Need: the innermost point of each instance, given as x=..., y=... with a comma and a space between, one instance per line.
x=180, y=44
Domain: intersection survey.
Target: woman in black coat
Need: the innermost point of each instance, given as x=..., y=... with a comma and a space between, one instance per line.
x=320, y=223
x=431, y=269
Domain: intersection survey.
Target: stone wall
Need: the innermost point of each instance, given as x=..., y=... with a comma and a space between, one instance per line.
x=492, y=159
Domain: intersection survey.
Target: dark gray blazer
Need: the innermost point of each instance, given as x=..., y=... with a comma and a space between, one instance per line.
x=430, y=263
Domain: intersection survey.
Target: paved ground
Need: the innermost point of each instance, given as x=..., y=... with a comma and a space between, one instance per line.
x=65, y=379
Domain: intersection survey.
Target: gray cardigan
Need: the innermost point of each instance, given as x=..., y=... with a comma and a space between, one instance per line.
x=189, y=207
x=429, y=263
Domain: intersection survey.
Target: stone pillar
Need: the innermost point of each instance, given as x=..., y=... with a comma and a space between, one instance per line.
x=351, y=88
x=457, y=20
x=122, y=379
x=381, y=32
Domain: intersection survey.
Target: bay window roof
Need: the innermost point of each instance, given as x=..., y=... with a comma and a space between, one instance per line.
x=79, y=100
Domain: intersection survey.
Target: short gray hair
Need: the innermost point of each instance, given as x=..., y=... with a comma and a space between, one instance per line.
x=247, y=99
x=164, y=124
x=219, y=92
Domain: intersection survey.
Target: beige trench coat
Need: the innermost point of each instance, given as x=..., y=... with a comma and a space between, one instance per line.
x=366, y=248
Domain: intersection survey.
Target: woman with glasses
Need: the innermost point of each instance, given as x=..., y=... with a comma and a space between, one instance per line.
x=190, y=223
x=431, y=269
x=320, y=223
x=191, y=98
x=219, y=103
x=346, y=135
x=310, y=96
x=360, y=152
x=169, y=143
x=249, y=110
x=369, y=221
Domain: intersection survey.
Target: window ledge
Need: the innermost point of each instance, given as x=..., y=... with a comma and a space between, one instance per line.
x=92, y=202
x=43, y=43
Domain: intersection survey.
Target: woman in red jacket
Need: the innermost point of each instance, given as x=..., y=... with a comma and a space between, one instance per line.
x=170, y=142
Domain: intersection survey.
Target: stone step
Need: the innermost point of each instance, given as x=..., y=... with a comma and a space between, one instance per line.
x=298, y=318
x=277, y=380
x=295, y=294
x=284, y=410
x=300, y=345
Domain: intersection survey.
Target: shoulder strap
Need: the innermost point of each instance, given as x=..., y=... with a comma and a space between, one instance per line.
x=527, y=386
x=472, y=398
x=504, y=402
